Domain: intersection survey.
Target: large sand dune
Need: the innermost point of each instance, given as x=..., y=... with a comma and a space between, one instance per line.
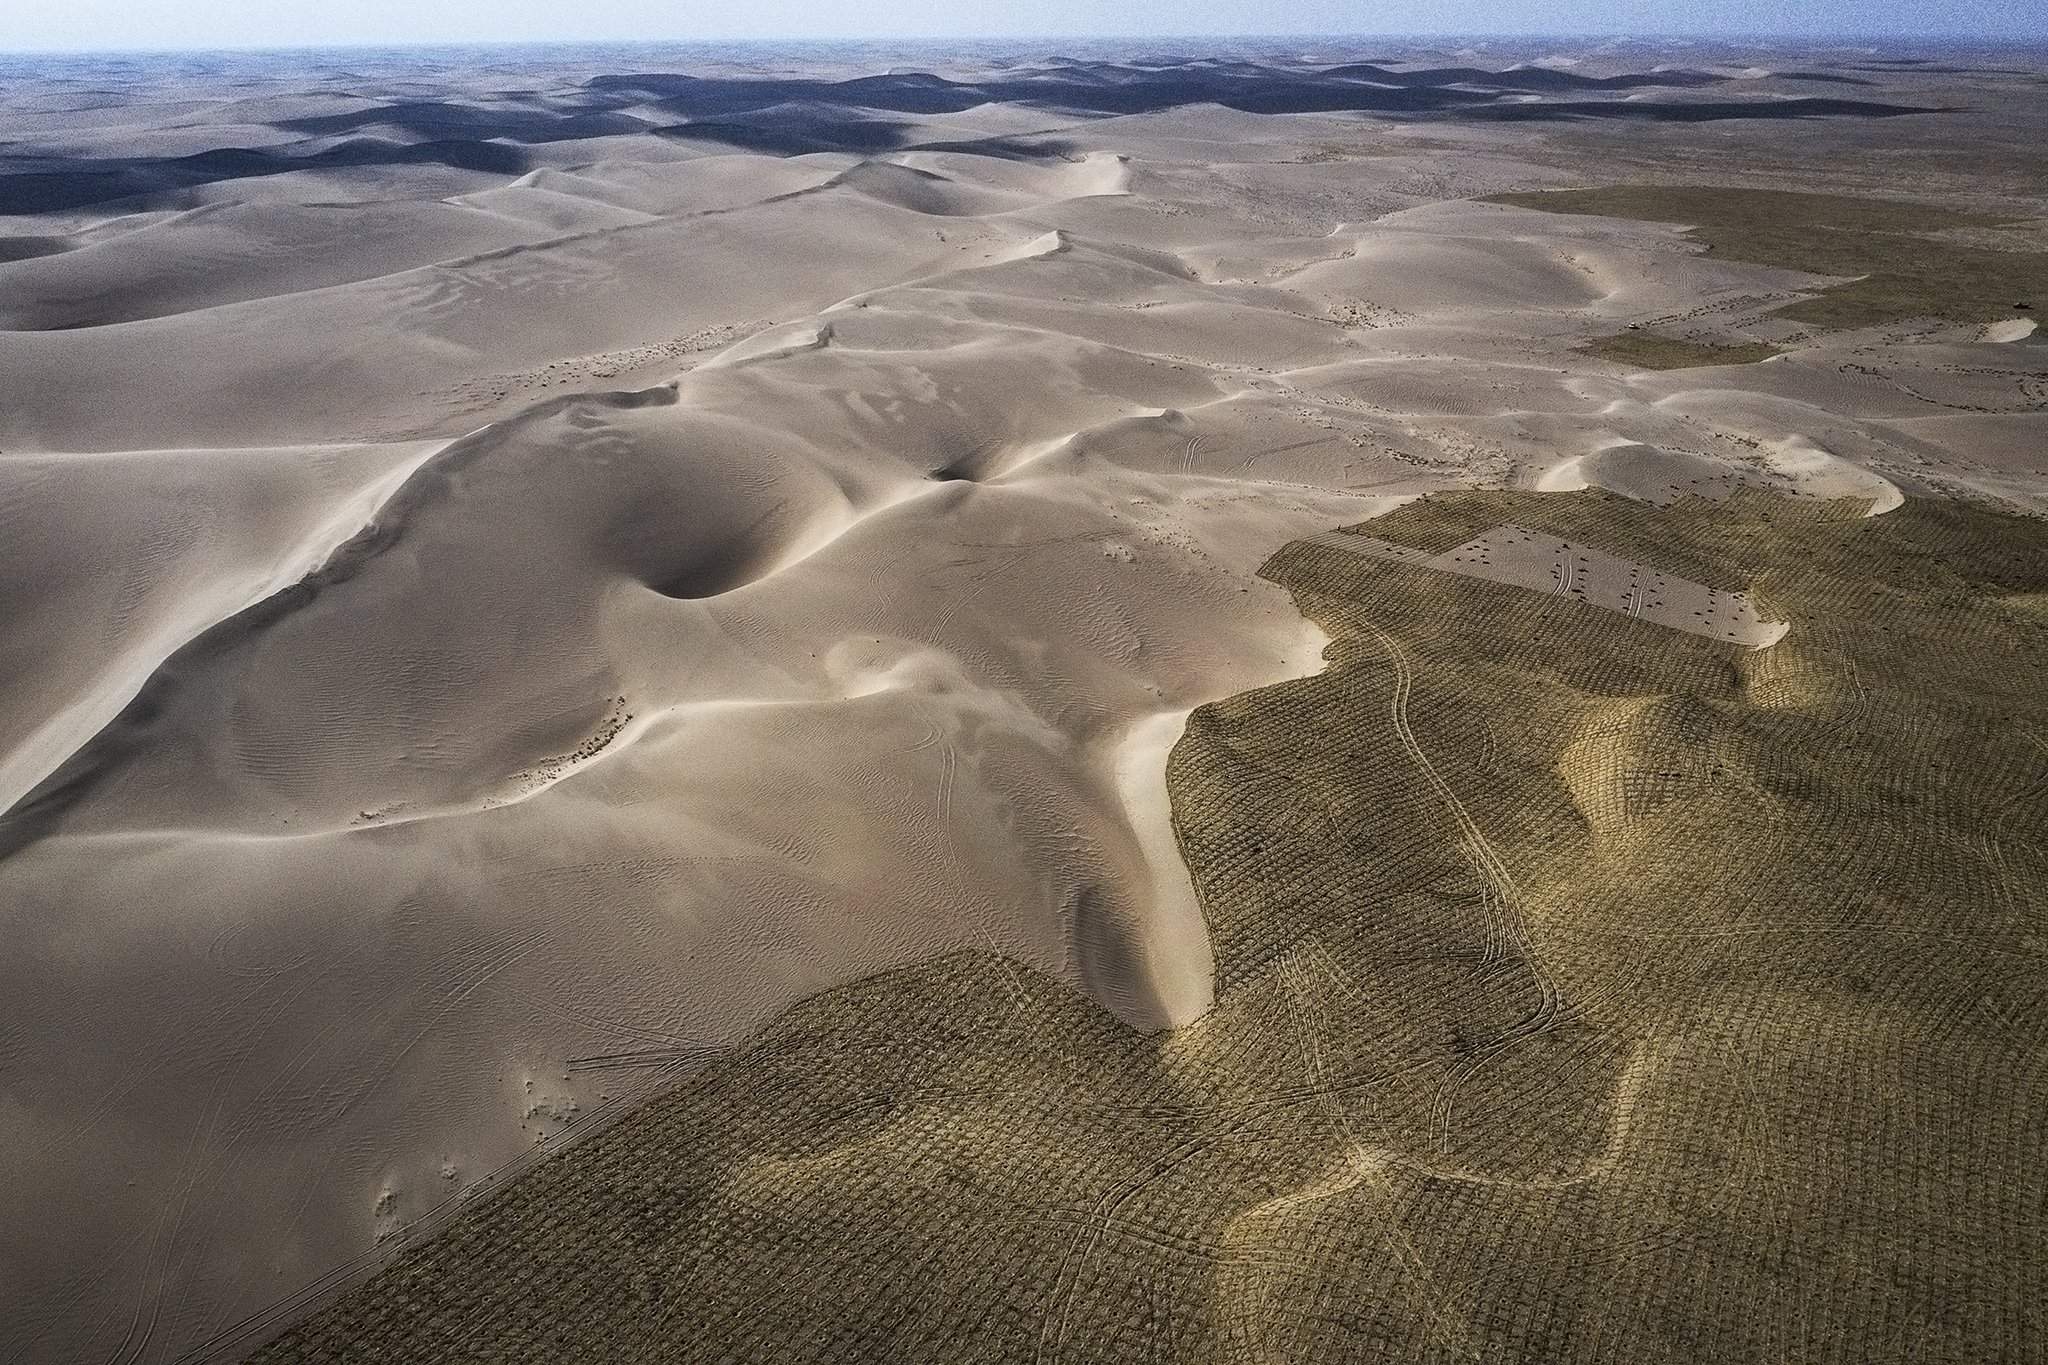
x=508, y=592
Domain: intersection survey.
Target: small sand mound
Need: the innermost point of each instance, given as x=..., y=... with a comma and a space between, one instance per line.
x=2008, y=330
x=921, y=191
x=774, y=344
x=1045, y=244
x=1822, y=474
x=1635, y=755
x=1647, y=474
x=1540, y=562
x=1097, y=173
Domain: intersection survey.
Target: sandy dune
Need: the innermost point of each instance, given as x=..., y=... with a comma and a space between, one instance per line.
x=500, y=606
x=1585, y=575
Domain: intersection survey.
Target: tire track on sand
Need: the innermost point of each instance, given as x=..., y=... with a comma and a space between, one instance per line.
x=1507, y=928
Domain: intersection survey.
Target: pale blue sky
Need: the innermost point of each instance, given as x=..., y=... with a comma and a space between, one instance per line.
x=74, y=24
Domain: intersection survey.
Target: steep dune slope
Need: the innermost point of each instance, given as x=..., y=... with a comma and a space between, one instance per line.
x=179, y=540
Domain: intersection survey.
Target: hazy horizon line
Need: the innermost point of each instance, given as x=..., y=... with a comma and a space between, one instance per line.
x=1845, y=38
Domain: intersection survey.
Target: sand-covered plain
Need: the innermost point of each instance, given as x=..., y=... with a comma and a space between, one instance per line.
x=516, y=572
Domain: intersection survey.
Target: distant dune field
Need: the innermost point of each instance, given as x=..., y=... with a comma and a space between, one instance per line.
x=775, y=624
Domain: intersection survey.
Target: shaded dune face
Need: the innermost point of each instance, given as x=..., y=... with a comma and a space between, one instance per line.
x=925, y=192
x=1433, y=270
x=26, y=248
x=712, y=511
x=721, y=568
x=1108, y=958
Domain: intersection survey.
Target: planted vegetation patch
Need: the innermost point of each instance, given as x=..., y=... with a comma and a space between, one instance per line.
x=1587, y=991
x=1898, y=263
x=1648, y=351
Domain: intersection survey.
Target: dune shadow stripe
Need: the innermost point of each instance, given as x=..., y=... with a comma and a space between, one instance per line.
x=792, y=116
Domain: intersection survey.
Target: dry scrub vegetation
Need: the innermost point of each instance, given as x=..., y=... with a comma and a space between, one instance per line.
x=1893, y=254
x=1649, y=351
x=1587, y=991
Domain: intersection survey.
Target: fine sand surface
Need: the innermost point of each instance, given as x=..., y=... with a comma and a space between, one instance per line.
x=1584, y=575
x=517, y=573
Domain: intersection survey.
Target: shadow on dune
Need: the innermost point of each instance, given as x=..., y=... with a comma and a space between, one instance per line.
x=1108, y=956
x=1107, y=89
x=433, y=119
x=1828, y=77
x=798, y=132
x=1922, y=66
x=1081, y=94
x=78, y=184
x=1702, y=111
x=29, y=248
x=869, y=114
